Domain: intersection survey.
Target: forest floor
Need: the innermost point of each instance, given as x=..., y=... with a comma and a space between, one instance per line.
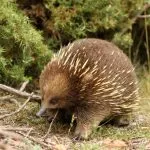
x=24, y=131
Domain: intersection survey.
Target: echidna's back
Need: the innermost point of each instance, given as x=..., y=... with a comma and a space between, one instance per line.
x=115, y=72
x=104, y=52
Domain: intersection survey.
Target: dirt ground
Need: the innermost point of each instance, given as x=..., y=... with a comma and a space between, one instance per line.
x=24, y=131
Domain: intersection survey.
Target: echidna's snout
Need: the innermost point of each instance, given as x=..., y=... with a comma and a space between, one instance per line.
x=41, y=111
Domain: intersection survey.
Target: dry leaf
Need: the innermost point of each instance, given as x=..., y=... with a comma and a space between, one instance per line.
x=49, y=141
x=147, y=146
x=107, y=141
x=16, y=143
x=60, y=147
x=114, y=143
x=119, y=143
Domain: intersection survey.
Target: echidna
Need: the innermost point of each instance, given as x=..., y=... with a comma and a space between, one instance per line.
x=94, y=79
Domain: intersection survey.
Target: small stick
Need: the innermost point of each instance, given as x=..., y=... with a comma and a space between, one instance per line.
x=14, y=128
x=37, y=141
x=56, y=139
x=144, y=16
x=5, y=97
x=146, y=98
x=18, y=110
x=50, y=126
x=24, y=86
x=10, y=134
x=28, y=133
x=20, y=136
x=71, y=123
x=20, y=93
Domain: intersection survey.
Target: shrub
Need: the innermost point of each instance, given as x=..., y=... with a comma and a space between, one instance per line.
x=22, y=51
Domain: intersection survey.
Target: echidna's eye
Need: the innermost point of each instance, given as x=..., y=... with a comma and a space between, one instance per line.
x=54, y=101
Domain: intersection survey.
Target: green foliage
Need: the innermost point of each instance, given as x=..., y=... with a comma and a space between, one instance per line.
x=105, y=19
x=124, y=41
x=21, y=46
x=22, y=52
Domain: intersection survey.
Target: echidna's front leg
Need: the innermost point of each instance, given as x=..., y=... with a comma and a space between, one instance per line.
x=83, y=130
x=51, y=114
x=87, y=120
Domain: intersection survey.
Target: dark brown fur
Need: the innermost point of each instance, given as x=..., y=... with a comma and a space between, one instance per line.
x=94, y=79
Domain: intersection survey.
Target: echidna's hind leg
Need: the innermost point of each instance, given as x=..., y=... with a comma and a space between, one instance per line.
x=87, y=120
x=121, y=121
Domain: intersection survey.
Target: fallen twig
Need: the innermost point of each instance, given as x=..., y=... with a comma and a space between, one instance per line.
x=5, y=97
x=28, y=133
x=24, y=86
x=50, y=145
x=7, y=128
x=20, y=93
x=18, y=110
x=144, y=16
x=71, y=123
